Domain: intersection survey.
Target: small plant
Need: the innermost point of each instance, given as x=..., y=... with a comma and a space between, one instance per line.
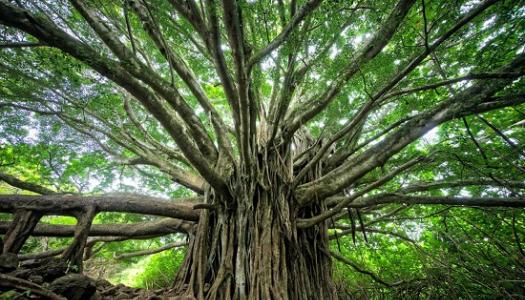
x=155, y=271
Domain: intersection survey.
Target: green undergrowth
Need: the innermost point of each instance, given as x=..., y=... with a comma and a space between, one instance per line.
x=152, y=272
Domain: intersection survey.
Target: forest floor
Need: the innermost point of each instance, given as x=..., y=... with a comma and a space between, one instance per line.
x=52, y=279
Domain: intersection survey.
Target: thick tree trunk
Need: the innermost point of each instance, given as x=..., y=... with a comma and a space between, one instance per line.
x=248, y=247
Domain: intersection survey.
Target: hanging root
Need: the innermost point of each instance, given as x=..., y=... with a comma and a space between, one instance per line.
x=249, y=247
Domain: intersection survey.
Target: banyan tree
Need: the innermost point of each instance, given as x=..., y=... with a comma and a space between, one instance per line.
x=278, y=123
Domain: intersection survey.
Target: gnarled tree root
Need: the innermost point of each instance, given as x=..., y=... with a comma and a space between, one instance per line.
x=7, y=281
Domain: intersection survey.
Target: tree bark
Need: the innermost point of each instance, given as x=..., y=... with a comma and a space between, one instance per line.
x=75, y=252
x=19, y=230
x=262, y=229
x=249, y=246
x=133, y=230
x=69, y=204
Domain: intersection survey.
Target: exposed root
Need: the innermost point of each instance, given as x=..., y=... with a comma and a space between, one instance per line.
x=7, y=281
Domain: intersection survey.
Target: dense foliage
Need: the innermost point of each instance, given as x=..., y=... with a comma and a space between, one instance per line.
x=400, y=125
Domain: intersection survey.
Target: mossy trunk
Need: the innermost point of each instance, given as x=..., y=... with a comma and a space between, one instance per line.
x=248, y=247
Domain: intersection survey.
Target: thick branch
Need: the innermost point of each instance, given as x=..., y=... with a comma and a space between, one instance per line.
x=182, y=69
x=368, y=106
x=133, y=230
x=21, y=44
x=345, y=201
x=68, y=204
x=460, y=105
x=20, y=229
x=213, y=43
x=123, y=74
x=232, y=22
x=459, y=201
x=147, y=75
x=368, y=52
x=75, y=251
x=451, y=81
x=499, y=102
x=446, y=184
x=190, y=11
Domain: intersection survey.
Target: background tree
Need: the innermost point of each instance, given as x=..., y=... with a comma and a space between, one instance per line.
x=282, y=124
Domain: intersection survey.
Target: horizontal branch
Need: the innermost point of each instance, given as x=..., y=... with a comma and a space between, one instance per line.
x=452, y=81
x=432, y=200
x=499, y=102
x=445, y=184
x=130, y=203
x=151, y=251
x=21, y=44
x=133, y=230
